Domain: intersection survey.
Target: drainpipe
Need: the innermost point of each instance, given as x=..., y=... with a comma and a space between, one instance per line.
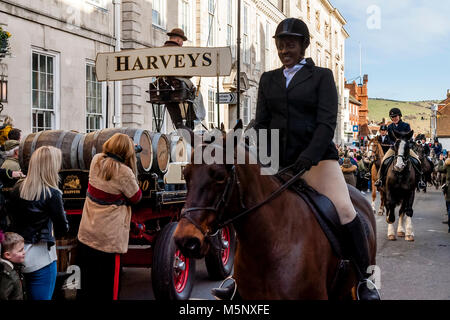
x=117, y=84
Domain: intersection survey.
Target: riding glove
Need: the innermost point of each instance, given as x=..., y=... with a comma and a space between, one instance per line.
x=302, y=163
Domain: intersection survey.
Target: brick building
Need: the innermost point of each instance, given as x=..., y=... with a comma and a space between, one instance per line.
x=359, y=92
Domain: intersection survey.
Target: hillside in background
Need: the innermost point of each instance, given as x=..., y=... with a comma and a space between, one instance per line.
x=416, y=113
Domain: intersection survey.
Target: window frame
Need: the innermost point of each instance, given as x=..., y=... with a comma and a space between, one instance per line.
x=56, y=111
x=162, y=9
x=102, y=97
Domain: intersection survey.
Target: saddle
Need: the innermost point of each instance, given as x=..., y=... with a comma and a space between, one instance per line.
x=325, y=214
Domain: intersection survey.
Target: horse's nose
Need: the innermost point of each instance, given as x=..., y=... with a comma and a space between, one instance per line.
x=189, y=246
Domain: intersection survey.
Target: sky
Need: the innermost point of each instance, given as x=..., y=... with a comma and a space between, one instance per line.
x=405, y=47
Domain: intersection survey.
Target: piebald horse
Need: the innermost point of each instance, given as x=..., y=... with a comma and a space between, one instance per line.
x=400, y=188
x=282, y=252
x=375, y=154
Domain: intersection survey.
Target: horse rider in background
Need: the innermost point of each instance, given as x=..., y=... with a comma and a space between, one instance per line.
x=437, y=148
x=384, y=139
x=398, y=125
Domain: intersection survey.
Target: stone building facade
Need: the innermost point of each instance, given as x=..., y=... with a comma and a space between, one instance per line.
x=51, y=73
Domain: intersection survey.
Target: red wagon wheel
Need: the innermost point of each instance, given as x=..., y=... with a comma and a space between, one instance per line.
x=219, y=262
x=173, y=274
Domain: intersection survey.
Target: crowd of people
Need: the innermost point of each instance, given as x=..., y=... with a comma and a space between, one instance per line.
x=32, y=217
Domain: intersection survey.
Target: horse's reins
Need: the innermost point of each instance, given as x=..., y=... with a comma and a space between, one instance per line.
x=232, y=180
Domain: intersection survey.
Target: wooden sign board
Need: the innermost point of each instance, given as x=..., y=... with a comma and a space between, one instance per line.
x=163, y=61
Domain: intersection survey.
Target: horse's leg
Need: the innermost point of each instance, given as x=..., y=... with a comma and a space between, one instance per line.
x=382, y=208
x=374, y=195
x=401, y=222
x=409, y=213
x=390, y=219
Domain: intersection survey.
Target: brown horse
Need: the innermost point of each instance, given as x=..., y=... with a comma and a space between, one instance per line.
x=375, y=154
x=282, y=252
x=427, y=166
x=400, y=188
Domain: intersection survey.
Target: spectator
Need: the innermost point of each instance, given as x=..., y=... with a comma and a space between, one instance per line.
x=105, y=224
x=349, y=171
x=12, y=258
x=361, y=180
x=4, y=130
x=445, y=168
x=15, y=134
x=351, y=155
x=12, y=155
x=38, y=217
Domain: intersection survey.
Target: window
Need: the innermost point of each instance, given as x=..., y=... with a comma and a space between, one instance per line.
x=186, y=18
x=211, y=23
x=245, y=41
x=267, y=45
x=159, y=13
x=94, y=99
x=230, y=41
x=211, y=108
x=43, y=95
x=246, y=110
x=258, y=43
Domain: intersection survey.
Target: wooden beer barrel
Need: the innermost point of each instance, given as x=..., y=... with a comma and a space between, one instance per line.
x=161, y=152
x=66, y=141
x=92, y=143
x=179, y=149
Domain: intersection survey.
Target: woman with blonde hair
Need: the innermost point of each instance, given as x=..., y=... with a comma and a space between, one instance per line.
x=38, y=217
x=105, y=223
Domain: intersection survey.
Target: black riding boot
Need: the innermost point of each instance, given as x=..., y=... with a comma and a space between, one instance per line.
x=379, y=182
x=226, y=293
x=359, y=254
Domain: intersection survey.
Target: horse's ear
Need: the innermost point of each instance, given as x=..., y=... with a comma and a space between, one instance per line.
x=238, y=125
x=409, y=135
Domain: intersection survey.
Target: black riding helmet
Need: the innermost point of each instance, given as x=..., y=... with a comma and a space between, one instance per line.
x=395, y=112
x=293, y=27
x=383, y=127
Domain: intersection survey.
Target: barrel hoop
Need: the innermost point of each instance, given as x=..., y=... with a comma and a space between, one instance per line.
x=74, y=151
x=80, y=153
x=94, y=147
x=60, y=139
x=33, y=144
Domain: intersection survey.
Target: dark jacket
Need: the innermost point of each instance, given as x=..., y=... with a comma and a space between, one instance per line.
x=305, y=112
x=11, y=282
x=34, y=220
x=400, y=127
x=386, y=144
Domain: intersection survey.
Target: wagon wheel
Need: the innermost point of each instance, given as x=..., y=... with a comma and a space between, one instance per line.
x=173, y=275
x=219, y=262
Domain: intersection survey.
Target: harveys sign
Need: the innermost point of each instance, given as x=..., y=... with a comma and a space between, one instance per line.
x=164, y=61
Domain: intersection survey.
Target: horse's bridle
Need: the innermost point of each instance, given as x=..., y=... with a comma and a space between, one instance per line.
x=224, y=200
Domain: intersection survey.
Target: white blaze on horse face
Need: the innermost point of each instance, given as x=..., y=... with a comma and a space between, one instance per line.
x=400, y=165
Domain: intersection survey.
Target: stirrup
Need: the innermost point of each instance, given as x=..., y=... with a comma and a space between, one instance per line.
x=422, y=185
x=221, y=288
x=378, y=183
x=368, y=282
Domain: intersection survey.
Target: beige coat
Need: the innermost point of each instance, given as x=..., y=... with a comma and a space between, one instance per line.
x=349, y=174
x=105, y=227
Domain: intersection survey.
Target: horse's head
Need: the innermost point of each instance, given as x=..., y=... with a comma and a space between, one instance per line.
x=372, y=149
x=401, y=148
x=210, y=189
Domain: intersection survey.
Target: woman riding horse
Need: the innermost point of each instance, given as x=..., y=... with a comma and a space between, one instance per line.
x=300, y=100
x=398, y=125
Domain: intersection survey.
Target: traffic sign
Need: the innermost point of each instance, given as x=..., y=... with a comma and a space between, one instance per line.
x=355, y=128
x=227, y=97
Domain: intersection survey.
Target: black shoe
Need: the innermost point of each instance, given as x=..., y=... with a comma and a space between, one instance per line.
x=422, y=185
x=367, y=290
x=359, y=255
x=225, y=293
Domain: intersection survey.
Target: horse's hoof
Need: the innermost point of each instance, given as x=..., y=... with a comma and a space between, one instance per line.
x=409, y=238
x=392, y=238
x=400, y=234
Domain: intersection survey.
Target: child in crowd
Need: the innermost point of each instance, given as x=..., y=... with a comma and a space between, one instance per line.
x=12, y=257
